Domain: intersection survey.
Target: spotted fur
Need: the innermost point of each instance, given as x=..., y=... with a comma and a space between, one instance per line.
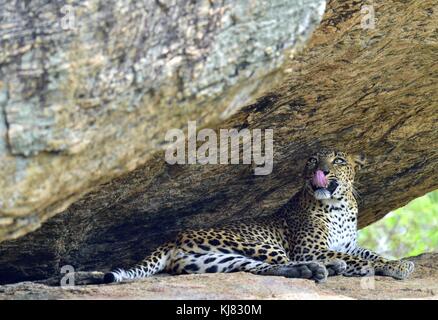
x=312, y=236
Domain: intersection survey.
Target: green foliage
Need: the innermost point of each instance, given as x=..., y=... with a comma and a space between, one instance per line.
x=407, y=231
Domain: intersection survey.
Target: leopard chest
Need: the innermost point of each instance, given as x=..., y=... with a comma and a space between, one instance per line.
x=342, y=226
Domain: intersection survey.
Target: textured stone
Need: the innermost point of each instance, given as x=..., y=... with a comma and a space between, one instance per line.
x=205, y=286
x=422, y=285
x=89, y=88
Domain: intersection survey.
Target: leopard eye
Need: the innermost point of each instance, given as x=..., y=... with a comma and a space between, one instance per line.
x=339, y=161
x=312, y=160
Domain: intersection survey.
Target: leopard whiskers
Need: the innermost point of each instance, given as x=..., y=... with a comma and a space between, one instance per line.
x=356, y=193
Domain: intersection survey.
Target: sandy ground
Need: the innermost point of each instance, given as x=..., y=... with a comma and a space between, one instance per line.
x=422, y=285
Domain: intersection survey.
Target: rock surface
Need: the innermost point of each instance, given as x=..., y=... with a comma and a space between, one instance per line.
x=353, y=88
x=423, y=285
x=88, y=89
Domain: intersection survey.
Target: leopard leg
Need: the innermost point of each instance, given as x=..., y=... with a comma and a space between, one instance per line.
x=213, y=262
x=358, y=266
x=398, y=269
x=366, y=254
x=336, y=262
x=151, y=265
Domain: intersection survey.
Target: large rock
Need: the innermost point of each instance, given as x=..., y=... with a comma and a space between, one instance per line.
x=353, y=88
x=422, y=285
x=88, y=91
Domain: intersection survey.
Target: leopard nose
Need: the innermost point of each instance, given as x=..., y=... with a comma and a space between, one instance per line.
x=326, y=172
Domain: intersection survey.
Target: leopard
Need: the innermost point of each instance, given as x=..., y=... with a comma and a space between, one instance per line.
x=312, y=236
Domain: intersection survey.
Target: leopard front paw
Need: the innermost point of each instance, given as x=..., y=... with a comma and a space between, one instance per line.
x=405, y=268
x=398, y=269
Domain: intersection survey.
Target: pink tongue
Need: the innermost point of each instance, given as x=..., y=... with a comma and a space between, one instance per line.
x=320, y=180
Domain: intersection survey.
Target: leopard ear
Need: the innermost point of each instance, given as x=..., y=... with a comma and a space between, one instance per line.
x=359, y=161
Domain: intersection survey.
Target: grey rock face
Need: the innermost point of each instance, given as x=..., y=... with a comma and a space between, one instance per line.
x=88, y=89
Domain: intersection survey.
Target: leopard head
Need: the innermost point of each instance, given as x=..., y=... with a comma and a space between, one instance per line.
x=330, y=174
